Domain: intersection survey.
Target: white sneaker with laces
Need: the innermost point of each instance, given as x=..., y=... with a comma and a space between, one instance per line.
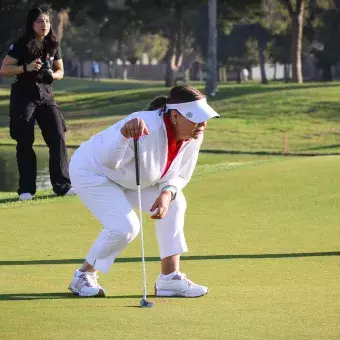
x=178, y=285
x=71, y=192
x=86, y=284
x=25, y=196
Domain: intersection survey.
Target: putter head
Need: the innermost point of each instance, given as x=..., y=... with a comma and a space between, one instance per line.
x=145, y=303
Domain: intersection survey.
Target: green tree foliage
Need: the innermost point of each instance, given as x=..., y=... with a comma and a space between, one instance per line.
x=174, y=20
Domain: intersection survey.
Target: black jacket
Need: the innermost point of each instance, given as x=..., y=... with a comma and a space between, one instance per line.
x=29, y=82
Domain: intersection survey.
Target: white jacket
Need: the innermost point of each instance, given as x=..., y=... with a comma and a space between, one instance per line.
x=110, y=154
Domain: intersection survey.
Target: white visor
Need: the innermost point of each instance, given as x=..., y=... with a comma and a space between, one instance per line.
x=197, y=111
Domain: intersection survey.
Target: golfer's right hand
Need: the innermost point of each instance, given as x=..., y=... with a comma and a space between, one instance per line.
x=35, y=65
x=161, y=205
x=134, y=128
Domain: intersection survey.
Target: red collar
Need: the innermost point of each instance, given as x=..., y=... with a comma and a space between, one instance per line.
x=173, y=145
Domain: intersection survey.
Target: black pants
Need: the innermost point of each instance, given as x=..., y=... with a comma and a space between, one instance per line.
x=23, y=114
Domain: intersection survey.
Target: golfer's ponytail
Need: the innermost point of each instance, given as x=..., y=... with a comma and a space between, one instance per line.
x=157, y=103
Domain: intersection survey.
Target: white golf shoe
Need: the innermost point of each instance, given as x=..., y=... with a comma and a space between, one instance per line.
x=25, y=196
x=71, y=192
x=178, y=285
x=86, y=284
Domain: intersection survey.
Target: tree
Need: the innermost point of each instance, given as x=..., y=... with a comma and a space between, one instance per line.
x=234, y=19
x=322, y=31
x=211, y=62
x=173, y=19
x=82, y=42
x=297, y=18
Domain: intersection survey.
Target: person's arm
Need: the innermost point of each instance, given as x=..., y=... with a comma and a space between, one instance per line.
x=9, y=67
x=168, y=189
x=58, y=69
x=112, y=148
x=186, y=172
x=58, y=65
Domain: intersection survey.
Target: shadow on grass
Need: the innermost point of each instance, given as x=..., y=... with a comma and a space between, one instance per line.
x=99, y=106
x=183, y=258
x=105, y=104
x=275, y=153
x=62, y=295
x=16, y=199
x=74, y=85
x=242, y=90
x=325, y=147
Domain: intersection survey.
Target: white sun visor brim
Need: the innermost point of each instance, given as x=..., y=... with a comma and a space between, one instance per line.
x=197, y=111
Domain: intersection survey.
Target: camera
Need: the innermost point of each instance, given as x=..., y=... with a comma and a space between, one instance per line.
x=46, y=73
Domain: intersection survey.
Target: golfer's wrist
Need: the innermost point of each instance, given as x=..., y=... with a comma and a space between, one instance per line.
x=167, y=193
x=170, y=189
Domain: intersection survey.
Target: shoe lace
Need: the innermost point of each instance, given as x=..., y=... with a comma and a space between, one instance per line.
x=89, y=280
x=183, y=277
x=92, y=278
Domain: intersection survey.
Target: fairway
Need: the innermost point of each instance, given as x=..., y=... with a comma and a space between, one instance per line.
x=254, y=118
x=263, y=235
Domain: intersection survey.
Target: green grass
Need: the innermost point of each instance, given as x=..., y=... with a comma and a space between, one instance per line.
x=261, y=235
x=254, y=117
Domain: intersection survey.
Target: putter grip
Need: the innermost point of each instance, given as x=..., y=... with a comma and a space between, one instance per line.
x=136, y=145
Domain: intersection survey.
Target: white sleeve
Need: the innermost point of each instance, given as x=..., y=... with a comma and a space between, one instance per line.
x=112, y=149
x=186, y=172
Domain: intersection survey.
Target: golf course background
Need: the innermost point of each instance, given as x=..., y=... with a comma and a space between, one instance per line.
x=263, y=231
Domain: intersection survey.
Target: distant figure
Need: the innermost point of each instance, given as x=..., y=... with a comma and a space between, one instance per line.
x=95, y=70
x=244, y=75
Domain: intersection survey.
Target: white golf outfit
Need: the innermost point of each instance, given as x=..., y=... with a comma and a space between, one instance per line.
x=103, y=173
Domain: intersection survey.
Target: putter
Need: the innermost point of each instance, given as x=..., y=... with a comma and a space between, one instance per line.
x=144, y=303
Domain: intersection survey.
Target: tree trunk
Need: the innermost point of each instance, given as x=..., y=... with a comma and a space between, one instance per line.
x=286, y=72
x=81, y=64
x=174, y=56
x=200, y=73
x=170, y=77
x=211, y=82
x=125, y=71
x=60, y=20
x=327, y=72
x=238, y=75
x=172, y=67
x=110, y=68
x=296, y=49
x=262, y=60
x=275, y=71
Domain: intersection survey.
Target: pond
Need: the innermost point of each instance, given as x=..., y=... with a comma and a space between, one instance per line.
x=9, y=177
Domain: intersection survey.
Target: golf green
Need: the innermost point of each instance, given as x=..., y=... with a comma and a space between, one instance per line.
x=263, y=235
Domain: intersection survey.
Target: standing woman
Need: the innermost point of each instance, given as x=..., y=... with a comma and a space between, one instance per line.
x=35, y=60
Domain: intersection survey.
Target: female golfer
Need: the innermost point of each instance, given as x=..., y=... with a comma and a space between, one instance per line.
x=35, y=59
x=103, y=173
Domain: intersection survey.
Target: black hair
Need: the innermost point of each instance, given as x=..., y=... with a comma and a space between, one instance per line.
x=178, y=94
x=50, y=43
x=157, y=103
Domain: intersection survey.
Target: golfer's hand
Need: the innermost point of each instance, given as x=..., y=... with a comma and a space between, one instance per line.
x=134, y=128
x=35, y=65
x=161, y=205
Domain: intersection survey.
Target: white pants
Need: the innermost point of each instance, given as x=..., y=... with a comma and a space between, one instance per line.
x=113, y=207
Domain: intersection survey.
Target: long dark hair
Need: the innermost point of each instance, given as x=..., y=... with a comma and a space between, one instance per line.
x=50, y=43
x=178, y=94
